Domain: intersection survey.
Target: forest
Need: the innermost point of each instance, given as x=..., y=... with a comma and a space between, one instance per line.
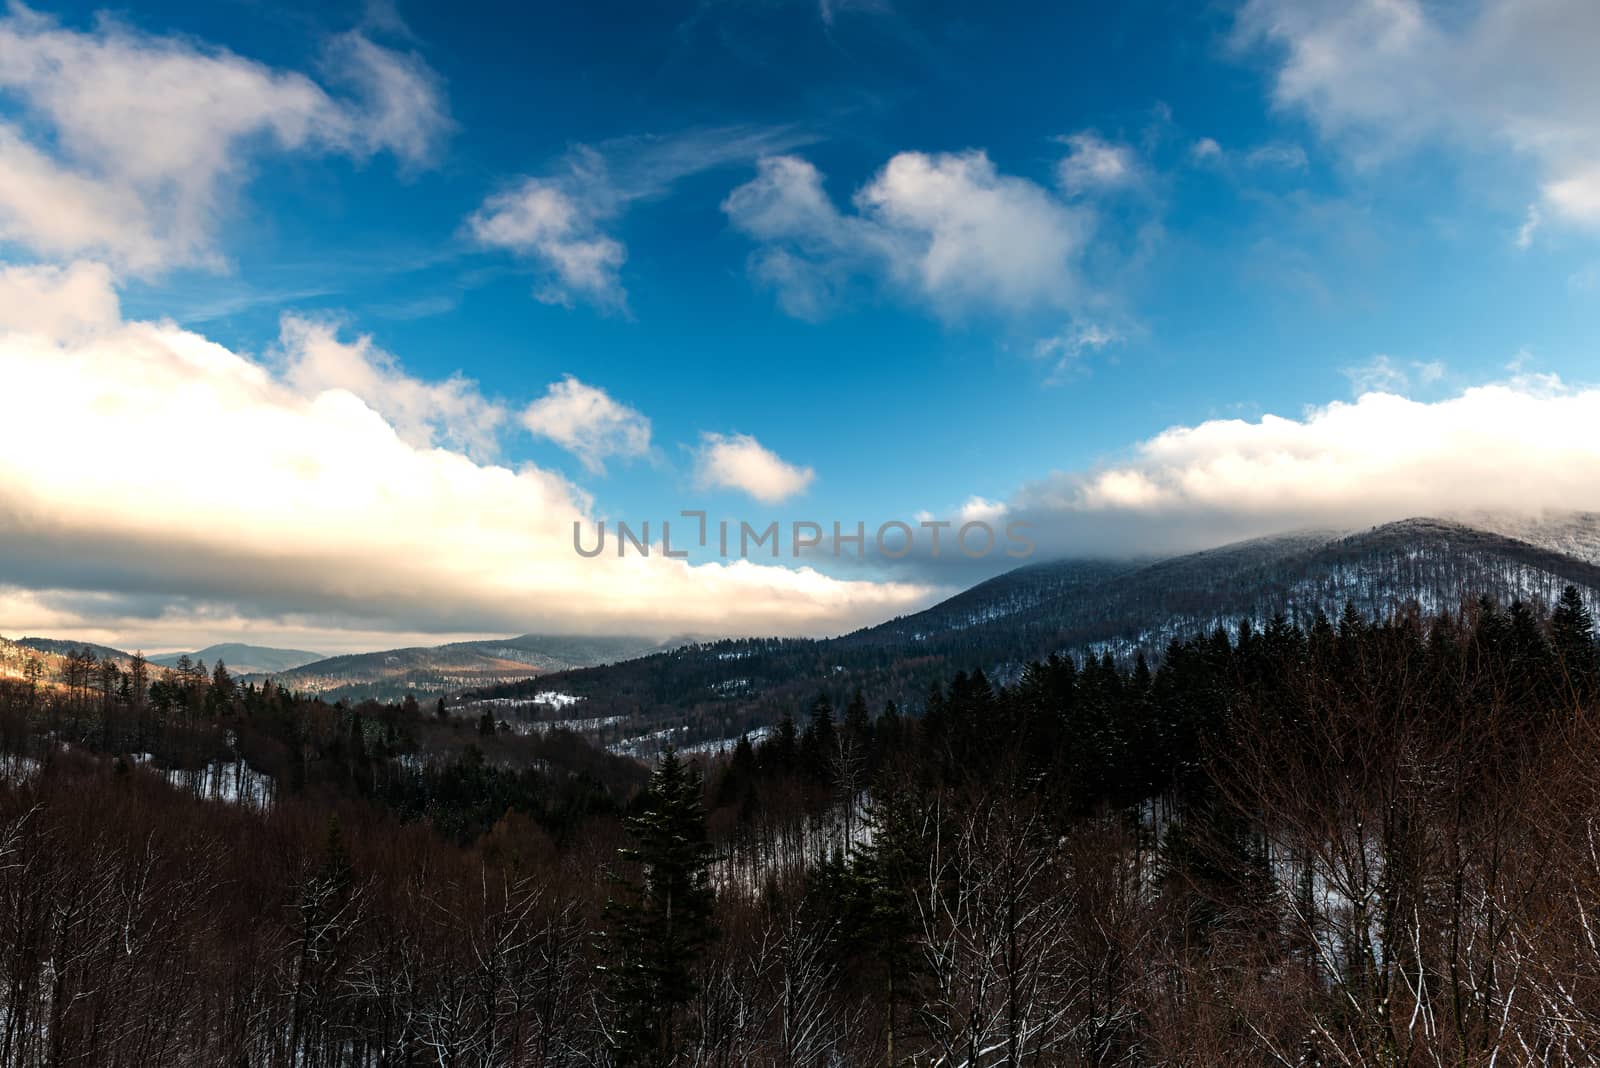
x=716, y=689
x=1357, y=842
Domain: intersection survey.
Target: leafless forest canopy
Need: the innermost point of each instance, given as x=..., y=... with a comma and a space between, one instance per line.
x=1347, y=843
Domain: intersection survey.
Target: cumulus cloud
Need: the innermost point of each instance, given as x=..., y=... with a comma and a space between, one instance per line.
x=587, y=422
x=978, y=509
x=53, y=302
x=561, y=221
x=185, y=479
x=1525, y=445
x=560, y=231
x=143, y=139
x=1205, y=150
x=1093, y=164
x=947, y=228
x=1382, y=76
x=451, y=413
x=740, y=462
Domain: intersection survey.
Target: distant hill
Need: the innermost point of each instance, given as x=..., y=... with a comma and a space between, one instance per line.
x=63, y=646
x=441, y=669
x=1079, y=607
x=1575, y=534
x=51, y=657
x=243, y=659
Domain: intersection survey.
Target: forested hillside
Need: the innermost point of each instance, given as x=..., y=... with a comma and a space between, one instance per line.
x=711, y=693
x=1343, y=843
x=439, y=669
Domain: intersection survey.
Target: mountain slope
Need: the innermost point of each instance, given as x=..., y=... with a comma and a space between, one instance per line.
x=244, y=659
x=49, y=658
x=63, y=646
x=1078, y=608
x=1429, y=561
x=442, y=669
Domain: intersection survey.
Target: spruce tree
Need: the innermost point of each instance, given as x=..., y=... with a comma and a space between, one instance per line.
x=1572, y=636
x=661, y=922
x=882, y=920
x=857, y=720
x=819, y=742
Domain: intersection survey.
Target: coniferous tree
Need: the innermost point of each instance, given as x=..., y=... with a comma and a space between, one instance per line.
x=857, y=720
x=883, y=918
x=1572, y=636
x=662, y=923
x=222, y=684
x=818, y=743
x=780, y=751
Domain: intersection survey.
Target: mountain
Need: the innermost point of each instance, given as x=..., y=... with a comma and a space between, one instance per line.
x=1077, y=607
x=244, y=659
x=14, y=659
x=63, y=646
x=1432, y=562
x=441, y=669
x=18, y=658
x=1575, y=534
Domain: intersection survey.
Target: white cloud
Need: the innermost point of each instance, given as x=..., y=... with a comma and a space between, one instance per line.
x=201, y=484
x=559, y=230
x=1205, y=150
x=58, y=302
x=1093, y=164
x=1067, y=348
x=1382, y=374
x=1530, y=224
x=1382, y=76
x=451, y=413
x=1429, y=372
x=401, y=99
x=830, y=10
x=148, y=137
x=1577, y=194
x=947, y=229
x=561, y=220
x=1525, y=445
x=1379, y=375
x=978, y=509
x=587, y=422
x=740, y=462
x=1270, y=156
x=1278, y=155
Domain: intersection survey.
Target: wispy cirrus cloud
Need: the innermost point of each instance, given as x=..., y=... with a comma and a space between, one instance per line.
x=563, y=221
x=1384, y=374
x=1065, y=350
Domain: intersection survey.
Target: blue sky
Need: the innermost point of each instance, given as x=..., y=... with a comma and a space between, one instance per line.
x=895, y=257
